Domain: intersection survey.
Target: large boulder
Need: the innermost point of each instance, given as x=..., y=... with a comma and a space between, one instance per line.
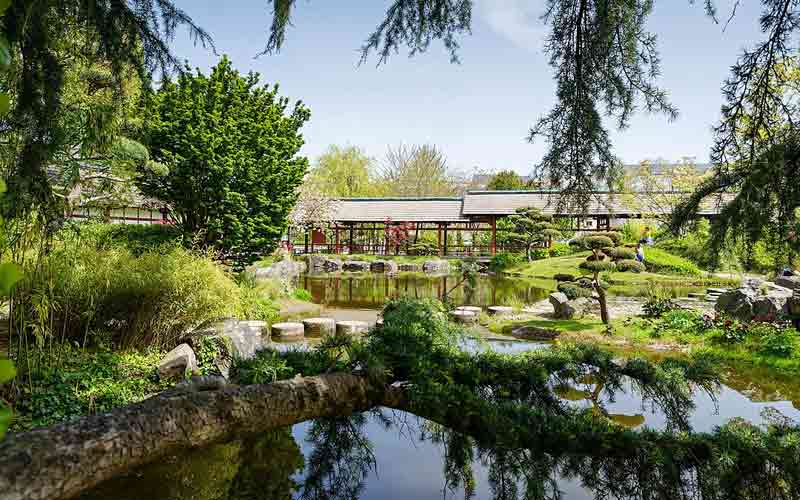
x=237, y=339
x=384, y=266
x=437, y=266
x=316, y=263
x=355, y=266
x=790, y=282
x=178, y=362
x=765, y=303
x=564, y=308
x=284, y=270
x=793, y=305
x=532, y=332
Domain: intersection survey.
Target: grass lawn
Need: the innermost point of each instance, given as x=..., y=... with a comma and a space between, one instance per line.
x=544, y=270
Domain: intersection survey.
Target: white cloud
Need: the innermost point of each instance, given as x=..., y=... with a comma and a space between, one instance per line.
x=516, y=20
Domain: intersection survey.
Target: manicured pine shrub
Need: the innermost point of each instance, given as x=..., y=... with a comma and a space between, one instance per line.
x=630, y=265
x=573, y=290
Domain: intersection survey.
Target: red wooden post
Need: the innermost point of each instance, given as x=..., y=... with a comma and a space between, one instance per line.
x=494, y=234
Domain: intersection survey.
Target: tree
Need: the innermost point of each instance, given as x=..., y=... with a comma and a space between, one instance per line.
x=231, y=149
x=313, y=210
x=597, y=263
x=130, y=34
x=505, y=180
x=417, y=171
x=655, y=190
x=344, y=172
x=531, y=228
x=756, y=155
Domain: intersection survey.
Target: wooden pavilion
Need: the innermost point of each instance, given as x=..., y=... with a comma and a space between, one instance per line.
x=360, y=223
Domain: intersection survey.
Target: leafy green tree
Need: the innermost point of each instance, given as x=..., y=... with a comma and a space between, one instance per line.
x=505, y=180
x=598, y=263
x=343, y=172
x=532, y=228
x=231, y=147
x=417, y=171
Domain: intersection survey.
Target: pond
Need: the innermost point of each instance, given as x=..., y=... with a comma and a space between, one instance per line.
x=372, y=290
x=387, y=454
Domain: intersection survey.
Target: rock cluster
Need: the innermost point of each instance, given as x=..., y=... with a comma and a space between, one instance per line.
x=755, y=299
x=437, y=266
x=564, y=308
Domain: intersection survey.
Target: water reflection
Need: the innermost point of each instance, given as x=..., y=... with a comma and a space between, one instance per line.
x=384, y=455
x=371, y=291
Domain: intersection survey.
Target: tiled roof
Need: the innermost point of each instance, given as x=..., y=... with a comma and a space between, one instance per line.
x=602, y=203
x=481, y=203
x=400, y=210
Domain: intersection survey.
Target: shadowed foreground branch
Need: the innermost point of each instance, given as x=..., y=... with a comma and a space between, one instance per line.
x=63, y=460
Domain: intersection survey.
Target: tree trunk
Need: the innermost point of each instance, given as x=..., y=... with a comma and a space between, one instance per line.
x=63, y=460
x=601, y=297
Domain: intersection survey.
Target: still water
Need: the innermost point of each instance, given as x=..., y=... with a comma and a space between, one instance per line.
x=387, y=454
x=371, y=290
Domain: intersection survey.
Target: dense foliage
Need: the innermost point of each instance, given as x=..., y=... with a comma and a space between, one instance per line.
x=231, y=148
x=507, y=405
x=505, y=180
x=531, y=228
x=86, y=288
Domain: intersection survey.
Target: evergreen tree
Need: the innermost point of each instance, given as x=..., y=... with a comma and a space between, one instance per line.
x=532, y=228
x=231, y=148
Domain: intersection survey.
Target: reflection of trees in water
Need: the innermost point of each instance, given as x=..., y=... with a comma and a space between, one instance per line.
x=340, y=461
x=373, y=290
x=259, y=468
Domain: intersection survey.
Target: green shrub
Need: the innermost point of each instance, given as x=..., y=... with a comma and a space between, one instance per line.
x=657, y=306
x=561, y=249
x=596, y=241
x=614, y=236
x=621, y=253
x=265, y=367
x=504, y=261
x=633, y=231
x=573, y=291
x=630, y=265
x=302, y=294
x=137, y=238
x=540, y=253
x=144, y=300
x=73, y=382
x=659, y=261
x=775, y=340
x=564, y=277
x=598, y=265
x=423, y=248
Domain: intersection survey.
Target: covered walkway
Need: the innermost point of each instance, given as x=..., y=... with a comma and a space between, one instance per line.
x=361, y=224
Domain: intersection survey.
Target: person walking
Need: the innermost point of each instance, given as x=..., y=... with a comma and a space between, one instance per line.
x=640, y=252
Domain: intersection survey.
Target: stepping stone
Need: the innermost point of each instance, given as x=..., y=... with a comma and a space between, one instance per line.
x=716, y=291
x=351, y=327
x=319, y=327
x=288, y=331
x=500, y=310
x=462, y=316
x=473, y=309
x=697, y=295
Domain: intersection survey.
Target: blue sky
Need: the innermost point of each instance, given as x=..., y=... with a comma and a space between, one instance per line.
x=478, y=112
